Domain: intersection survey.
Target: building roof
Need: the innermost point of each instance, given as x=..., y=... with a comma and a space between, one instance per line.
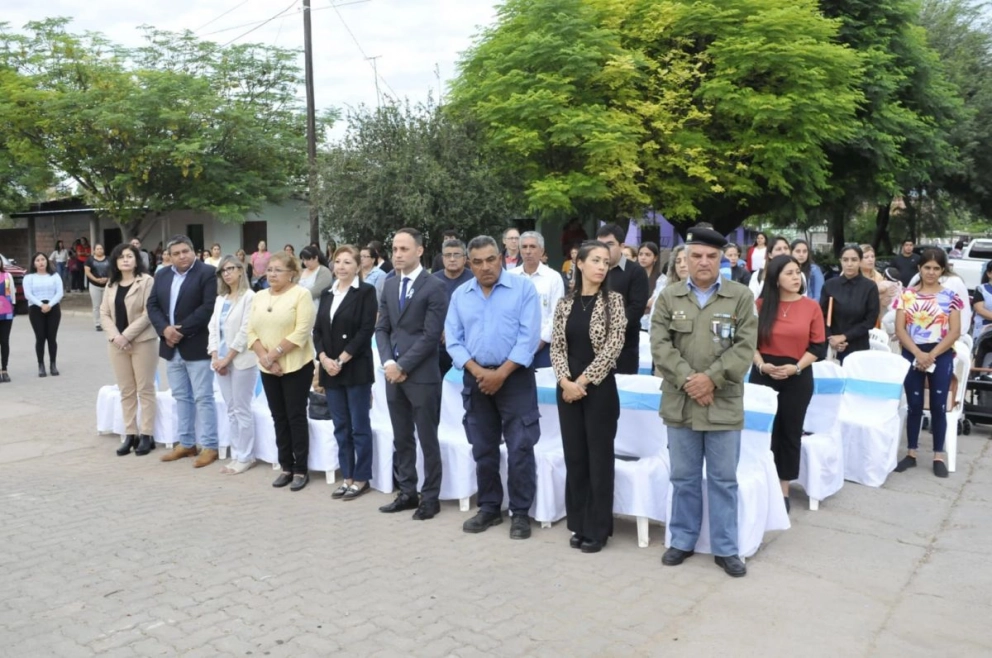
x=66, y=206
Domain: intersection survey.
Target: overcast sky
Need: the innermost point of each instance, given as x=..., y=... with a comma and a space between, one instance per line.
x=409, y=36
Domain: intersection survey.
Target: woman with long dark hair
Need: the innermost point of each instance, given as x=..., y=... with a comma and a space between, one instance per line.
x=850, y=305
x=132, y=345
x=61, y=258
x=757, y=253
x=811, y=271
x=928, y=322
x=43, y=290
x=588, y=336
x=8, y=302
x=791, y=337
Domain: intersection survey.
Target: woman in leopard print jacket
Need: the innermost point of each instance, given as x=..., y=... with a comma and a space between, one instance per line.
x=588, y=335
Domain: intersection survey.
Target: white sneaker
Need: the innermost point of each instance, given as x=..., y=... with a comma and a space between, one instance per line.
x=228, y=468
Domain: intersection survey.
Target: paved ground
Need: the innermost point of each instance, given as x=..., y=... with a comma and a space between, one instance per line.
x=101, y=555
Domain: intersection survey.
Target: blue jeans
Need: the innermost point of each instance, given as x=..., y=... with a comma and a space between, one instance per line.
x=192, y=384
x=940, y=386
x=722, y=450
x=350, y=407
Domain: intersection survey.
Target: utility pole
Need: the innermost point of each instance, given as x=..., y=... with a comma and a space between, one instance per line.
x=375, y=72
x=311, y=125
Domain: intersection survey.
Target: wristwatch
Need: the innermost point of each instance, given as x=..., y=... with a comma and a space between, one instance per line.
x=798, y=371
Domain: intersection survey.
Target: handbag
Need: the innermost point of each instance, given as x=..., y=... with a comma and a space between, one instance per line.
x=318, y=409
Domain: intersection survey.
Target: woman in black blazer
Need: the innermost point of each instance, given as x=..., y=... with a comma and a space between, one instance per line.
x=342, y=337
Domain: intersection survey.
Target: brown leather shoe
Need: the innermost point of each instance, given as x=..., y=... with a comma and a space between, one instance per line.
x=178, y=453
x=207, y=456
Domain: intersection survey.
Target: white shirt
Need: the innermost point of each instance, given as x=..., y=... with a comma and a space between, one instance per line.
x=413, y=277
x=758, y=259
x=337, y=296
x=550, y=288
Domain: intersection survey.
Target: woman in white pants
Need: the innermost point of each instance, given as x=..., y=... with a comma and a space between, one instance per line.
x=234, y=363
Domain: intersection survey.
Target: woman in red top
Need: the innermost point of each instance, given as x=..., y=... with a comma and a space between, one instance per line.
x=791, y=336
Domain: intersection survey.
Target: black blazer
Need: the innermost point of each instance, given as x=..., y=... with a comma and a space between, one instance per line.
x=351, y=332
x=415, y=333
x=194, y=307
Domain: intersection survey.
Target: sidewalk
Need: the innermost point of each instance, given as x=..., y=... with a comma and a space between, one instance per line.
x=102, y=555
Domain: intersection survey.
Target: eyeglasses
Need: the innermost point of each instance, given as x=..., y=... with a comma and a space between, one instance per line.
x=229, y=269
x=274, y=271
x=454, y=255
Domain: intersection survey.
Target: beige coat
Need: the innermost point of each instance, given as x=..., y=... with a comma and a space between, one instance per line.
x=139, y=327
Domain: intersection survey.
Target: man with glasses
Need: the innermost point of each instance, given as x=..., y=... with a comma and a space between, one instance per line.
x=630, y=280
x=550, y=288
x=438, y=264
x=492, y=331
x=452, y=275
x=511, y=248
x=179, y=307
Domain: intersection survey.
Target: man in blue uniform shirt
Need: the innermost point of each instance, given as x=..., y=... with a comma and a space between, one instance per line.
x=492, y=331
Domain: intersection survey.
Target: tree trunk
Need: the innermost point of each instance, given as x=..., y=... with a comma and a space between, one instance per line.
x=882, y=217
x=837, y=220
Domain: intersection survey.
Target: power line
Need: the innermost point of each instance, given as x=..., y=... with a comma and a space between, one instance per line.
x=265, y=22
x=211, y=22
x=371, y=61
x=260, y=22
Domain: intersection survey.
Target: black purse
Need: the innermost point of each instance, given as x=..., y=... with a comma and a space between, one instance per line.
x=318, y=409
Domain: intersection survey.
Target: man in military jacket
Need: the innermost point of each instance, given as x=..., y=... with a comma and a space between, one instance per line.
x=703, y=337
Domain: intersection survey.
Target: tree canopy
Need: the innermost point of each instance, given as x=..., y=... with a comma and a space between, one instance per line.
x=177, y=123
x=411, y=165
x=702, y=111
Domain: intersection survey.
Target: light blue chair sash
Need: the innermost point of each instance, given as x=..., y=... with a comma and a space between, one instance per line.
x=828, y=386
x=870, y=389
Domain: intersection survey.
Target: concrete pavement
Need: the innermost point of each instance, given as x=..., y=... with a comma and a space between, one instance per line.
x=101, y=555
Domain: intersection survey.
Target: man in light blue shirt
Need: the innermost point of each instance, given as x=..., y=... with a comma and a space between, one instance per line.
x=492, y=331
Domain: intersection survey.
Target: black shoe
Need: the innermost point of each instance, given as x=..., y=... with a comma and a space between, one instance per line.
x=283, y=479
x=427, y=510
x=939, y=468
x=904, y=463
x=593, y=545
x=520, y=527
x=4, y=377
x=400, y=503
x=732, y=564
x=481, y=521
x=99, y=328
x=146, y=444
x=354, y=492
x=130, y=441
x=299, y=481
x=675, y=556
x=41, y=370
x=788, y=508
x=55, y=371
x=575, y=541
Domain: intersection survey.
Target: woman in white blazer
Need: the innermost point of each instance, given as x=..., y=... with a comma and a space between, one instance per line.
x=234, y=363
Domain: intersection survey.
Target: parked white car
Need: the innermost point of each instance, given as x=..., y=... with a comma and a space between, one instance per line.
x=971, y=265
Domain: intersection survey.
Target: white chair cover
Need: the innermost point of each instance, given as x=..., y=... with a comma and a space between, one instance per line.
x=955, y=407
x=760, y=507
x=870, y=423
x=821, y=462
x=644, y=355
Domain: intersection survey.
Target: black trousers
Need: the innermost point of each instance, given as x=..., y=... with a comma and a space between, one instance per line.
x=588, y=430
x=5, y=326
x=794, y=395
x=46, y=329
x=417, y=406
x=628, y=363
x=288, y=396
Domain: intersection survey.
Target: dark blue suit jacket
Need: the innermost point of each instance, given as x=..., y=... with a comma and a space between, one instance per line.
x=194, y=307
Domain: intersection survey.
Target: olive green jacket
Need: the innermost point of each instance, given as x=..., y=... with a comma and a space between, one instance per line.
x=719, y=340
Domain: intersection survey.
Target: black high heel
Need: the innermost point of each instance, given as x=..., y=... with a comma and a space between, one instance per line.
x=54, y=370
x=130, y=441
x=41, y=370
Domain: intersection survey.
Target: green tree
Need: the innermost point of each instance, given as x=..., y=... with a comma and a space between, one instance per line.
x=401, y=165
x=177, y=123
x=701, y=110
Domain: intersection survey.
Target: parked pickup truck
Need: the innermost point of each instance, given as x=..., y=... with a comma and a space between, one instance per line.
x=971, y=265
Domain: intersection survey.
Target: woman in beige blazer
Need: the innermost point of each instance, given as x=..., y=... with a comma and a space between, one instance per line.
x=133, y=345
x=234, y=363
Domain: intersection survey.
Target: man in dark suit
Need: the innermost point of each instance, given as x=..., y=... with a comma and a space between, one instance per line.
x=630, y=280
x=179, y=308
x=408, y=333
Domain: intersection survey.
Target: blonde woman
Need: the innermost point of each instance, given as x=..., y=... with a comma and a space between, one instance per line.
x=232, y=361
x=280, y=332
x=133, y=345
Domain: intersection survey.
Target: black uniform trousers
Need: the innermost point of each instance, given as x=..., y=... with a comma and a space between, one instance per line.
x=415, y=406
x=288, y=396
x=794, y=395
x=588, y=431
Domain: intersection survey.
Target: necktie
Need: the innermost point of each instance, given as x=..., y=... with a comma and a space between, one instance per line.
x=406, y=281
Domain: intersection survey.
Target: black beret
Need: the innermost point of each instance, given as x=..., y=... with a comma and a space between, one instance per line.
x=706, y=236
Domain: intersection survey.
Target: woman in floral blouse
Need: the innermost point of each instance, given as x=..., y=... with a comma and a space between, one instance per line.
x=928, y=321
x=588, y=335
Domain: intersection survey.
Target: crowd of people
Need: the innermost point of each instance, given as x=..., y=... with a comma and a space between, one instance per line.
x=717, y=316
